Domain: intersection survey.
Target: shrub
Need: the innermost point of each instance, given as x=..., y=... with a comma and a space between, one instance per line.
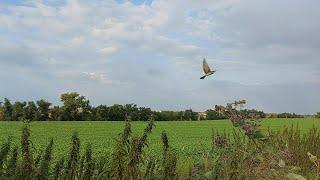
x=72, y=163
x=27, y=167
x=169, y=159
x=46, y=162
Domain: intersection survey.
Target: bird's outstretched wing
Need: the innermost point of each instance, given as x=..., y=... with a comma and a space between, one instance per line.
x=206, y=67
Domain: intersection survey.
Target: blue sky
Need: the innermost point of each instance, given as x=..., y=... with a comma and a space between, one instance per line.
x=150, y=52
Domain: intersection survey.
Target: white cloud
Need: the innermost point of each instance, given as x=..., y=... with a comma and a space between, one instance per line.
x=102, y=77
x=108, y=50
x=159, y=47
x=77, y=40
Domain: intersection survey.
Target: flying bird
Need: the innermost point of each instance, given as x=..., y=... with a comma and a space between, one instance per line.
x=206, y=69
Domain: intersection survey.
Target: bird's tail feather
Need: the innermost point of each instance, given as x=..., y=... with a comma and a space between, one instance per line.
x=202, y=77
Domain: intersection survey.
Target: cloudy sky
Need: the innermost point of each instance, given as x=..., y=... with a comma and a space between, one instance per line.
x=149, y=52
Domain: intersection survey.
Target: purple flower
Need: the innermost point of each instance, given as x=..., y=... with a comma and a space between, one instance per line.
x=248, y=129
x=236, y=119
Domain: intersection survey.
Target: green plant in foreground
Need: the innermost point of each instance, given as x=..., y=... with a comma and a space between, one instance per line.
x=233, y=113
x=72, y=164
x=169, y=160
x=232, y=156
x=58, y=168
x=89, y=163
x=27, y=167
x=316, y=163
x=46, y=162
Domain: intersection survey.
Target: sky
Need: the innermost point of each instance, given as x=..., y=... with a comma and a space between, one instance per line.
x=149, y=52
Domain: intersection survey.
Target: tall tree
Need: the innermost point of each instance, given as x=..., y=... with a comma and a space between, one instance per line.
x=190, y=115
x=144, y=114
x=75, y=107
x=102, y=113
x=55, y=113
x=42, y=110
x=1, y=111
x=117, y=113
x=214, y=115
x=30, y=111
x=132, y=111
x=7, y=110
x=18, y=111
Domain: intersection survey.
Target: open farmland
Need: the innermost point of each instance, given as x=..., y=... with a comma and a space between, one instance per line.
x=188, y=138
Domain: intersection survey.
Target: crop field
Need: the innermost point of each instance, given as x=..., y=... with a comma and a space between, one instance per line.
x=188, y=138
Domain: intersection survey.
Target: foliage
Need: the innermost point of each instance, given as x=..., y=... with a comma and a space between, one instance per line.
x=7, y=110
x=77, y=108
x=214, y=115
x=42, y=113
x=287, y=153
x=169, y=159
x=234, y=113
x=247, y=113
x=18, y=111
x=45, y=162
x=30, y=111
x=289, y=115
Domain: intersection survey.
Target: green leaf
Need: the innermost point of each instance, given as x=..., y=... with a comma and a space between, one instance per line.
x=312, y=157
x=208, y=174
x=295, y=169
x=281, y=163
x=259, y=158
x=293, y=176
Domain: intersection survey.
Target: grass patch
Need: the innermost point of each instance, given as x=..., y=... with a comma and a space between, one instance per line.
x=189, y=138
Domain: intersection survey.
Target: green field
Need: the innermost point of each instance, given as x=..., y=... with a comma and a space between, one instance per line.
x=189, y=138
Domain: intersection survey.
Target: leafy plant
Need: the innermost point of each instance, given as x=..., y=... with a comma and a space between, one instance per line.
x=250, y=127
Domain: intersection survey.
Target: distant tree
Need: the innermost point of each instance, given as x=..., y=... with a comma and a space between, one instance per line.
x=30, y=111
x=75, y=107
x=18, y=111
x=318, y=115
x=289, y=115
x=42, y=113
x=7, y=110
x=248, y=113
x=169, y=116
x=132, y=112
x=144, y=114
x=55, y=113
x=214, y=115
x=271, y=115
x=190, y=115
x=178, y=116
x=101, y=113
x=1, y=112
x=117, y=113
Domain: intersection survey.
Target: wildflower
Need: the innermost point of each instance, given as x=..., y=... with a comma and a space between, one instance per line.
x=236, y=119
x=248, y=129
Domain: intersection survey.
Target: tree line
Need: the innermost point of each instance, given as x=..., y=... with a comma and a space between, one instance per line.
x=76, y=107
